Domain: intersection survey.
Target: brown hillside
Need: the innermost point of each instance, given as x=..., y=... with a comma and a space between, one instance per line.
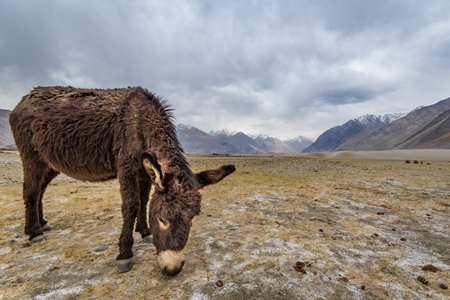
x=392, y=136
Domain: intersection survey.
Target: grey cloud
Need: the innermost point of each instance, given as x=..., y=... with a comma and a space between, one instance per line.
x=346, y=95
x=242, y=62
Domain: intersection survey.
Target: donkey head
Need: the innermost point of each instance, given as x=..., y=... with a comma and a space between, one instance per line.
x=175, y=202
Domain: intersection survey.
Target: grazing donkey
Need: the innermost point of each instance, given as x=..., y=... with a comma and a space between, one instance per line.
x=96, y=135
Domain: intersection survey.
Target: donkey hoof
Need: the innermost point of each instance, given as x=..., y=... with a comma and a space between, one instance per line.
x=148, y=239
x=37, y=239
x=124, y=265
x=46, y=227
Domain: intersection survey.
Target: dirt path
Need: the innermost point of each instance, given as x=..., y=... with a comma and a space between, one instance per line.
x=279, y=228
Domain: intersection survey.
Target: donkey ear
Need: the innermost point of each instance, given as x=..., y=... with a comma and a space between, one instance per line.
x=153, y=168
x=213, y=176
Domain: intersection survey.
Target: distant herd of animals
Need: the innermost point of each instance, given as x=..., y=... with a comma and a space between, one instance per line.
x=101, y=134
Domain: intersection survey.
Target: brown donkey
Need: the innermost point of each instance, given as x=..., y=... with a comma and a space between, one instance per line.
x=95, y=135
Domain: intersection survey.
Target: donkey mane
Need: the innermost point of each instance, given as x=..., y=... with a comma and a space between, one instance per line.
x=166, y=112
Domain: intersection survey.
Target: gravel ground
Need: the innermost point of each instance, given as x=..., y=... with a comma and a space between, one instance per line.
x=280, y=227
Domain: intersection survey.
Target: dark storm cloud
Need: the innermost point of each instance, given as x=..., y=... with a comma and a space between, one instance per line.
x=346, y=95
x=292, y=67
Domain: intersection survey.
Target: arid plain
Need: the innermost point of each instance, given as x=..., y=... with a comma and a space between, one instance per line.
x=320, y=226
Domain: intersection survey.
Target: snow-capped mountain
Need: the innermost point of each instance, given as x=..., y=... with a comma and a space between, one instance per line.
x=344, y=136
x=425, y=127
x=386, y=119
x=227, y=141
x=225, y=132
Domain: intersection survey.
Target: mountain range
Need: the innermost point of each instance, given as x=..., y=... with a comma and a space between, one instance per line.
x=339, y=137
x=426, y=127
x=197, y=141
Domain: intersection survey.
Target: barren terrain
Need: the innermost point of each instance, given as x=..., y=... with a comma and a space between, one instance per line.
x=338, y=226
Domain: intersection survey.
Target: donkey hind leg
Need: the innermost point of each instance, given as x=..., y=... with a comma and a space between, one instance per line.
x=141, y=222
x=130, y=205
x=34, y=177
x=49, y=176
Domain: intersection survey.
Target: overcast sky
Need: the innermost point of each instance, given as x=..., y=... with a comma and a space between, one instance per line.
x=283, y=68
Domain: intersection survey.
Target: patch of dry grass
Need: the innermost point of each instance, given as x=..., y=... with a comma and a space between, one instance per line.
x=363, y=229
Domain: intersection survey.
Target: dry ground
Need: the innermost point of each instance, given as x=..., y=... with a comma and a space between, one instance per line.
x=279, y=228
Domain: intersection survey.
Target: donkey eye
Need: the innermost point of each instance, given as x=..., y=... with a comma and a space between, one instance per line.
x=163, y=224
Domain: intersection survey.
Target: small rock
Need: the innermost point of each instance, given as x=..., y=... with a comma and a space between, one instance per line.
x=299, y=267
x=219, y=283
x=422, y=279
x=320, y=230
x=431, y=268
x=363, y=287
x=53, y=268
x=101, y=249
x=443, y=286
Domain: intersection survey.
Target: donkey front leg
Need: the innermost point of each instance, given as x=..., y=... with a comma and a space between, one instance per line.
x=129, y=191
x=49, y=176
x=141, y=222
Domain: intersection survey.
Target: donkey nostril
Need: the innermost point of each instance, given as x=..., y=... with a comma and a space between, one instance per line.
x=174, y=271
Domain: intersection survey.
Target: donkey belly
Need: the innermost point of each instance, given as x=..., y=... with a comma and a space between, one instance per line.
x=94, y=169
x=81, y=156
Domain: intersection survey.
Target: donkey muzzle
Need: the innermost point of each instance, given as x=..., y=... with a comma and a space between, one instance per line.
x=171, y=262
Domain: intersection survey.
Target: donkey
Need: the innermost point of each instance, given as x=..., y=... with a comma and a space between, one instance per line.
x=98, y=134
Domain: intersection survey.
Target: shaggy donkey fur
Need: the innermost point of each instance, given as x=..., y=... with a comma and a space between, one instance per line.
x=94, y=134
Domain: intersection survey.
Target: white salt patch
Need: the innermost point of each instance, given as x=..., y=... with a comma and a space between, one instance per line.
x=199, y=296
x=65, y=231
x=250, y=286
x=216, y=265
x=228, y=287
x=5, y=250
x=414, y=258
x=61, y=292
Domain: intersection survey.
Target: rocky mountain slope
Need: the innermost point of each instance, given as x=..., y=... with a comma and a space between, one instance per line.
x=343, y=136
x=436, y=135
x=426, y=127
